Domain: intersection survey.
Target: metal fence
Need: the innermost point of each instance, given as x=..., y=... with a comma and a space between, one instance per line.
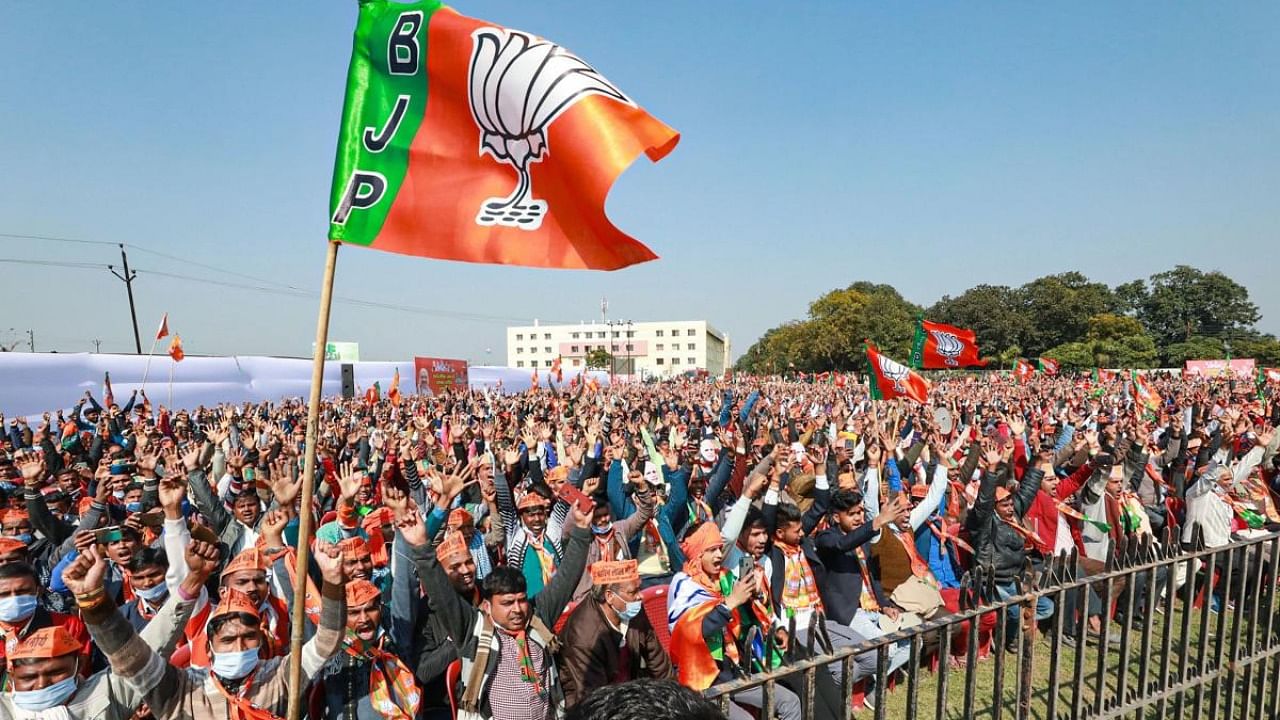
x=1204, y=648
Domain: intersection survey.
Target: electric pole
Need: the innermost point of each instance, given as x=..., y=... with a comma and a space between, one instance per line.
x=128, y=278
x=31, y=339
x=97, y=345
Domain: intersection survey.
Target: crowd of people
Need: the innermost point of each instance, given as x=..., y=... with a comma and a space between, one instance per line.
x=487, y=555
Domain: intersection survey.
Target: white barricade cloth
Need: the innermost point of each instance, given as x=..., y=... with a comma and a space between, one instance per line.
x=35, y=383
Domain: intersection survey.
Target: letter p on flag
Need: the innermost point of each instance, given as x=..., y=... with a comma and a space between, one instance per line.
x=466, y=141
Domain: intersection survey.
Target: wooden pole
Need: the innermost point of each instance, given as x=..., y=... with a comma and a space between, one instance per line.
x=305, y=514
x=147, y=370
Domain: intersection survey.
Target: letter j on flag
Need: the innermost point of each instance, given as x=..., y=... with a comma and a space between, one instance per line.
x=463, y=140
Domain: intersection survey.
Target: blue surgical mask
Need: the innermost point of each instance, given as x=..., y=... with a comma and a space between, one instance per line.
x=153, y=593
x=133, y=507
x=234, y=665
x=631, y=610
x=45, y=698
x=601, y=529
x=17, y=608
x=23, y=538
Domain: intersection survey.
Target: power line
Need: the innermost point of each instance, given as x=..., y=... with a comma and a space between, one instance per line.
x=272, y=286
x=54, y=263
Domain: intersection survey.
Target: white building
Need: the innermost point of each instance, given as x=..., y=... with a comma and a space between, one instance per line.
x=639, y=349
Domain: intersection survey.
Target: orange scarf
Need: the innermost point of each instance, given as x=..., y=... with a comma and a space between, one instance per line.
x=241, y=708
x=546, y=561
x=393, y=690
x=800, y=588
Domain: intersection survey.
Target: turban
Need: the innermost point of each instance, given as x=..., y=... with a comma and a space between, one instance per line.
x=707, y=536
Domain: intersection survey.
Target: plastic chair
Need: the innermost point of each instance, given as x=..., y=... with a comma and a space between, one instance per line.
x=655, y=608
x=452, y=675
x=564, y=617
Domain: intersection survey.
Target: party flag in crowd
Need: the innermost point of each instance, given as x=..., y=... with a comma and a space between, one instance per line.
x=1023, y=370
x=163, y=332
x=1048, y=366
x=938, y=346
x=394, y=393
x=108, y=397
x=175, y=349
x=1101, y=375
x=464, y=140
x=534, y=379
x=891, y=379
x=555, y=369
x=1144, y=392
x=373, y=394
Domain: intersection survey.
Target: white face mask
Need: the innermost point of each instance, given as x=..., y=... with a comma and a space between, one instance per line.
x=234, y=665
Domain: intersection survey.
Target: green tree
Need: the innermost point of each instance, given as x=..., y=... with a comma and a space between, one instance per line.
x=1059, y=307
x=1182, y=303
x=599, y=359
x=1194, y=348
x=993, y=312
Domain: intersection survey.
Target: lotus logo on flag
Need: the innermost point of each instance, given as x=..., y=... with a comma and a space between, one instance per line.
x=518, y=86
x=949, y=346
x=895, y=371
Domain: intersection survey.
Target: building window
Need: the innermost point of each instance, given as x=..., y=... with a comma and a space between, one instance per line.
x=576, y=362
x=691, y=332
x=546, y=363
x=658, y=333
x=600, y=334
x=693, y=361
x=675, y=361
x=573, y=348
x=660, y=346
x=675, y=332
x=548, y=350
x=546, y=336
x=659, y=361
x=519, y=351
x=519, y=363
x=574, y=336
x=629, y=348
x=631, y=333
x=615, y=334
x=693, y=346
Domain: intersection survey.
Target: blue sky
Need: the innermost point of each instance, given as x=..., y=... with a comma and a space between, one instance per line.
x=930, y=146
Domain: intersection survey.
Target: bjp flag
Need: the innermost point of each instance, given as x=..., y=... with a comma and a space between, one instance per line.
x=891, y=379
x=1048, y=366
x=938, y=346
x=1023, y=370
x=465, y=140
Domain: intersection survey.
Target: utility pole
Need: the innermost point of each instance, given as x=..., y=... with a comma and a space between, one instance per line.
x=128, y=278
x=97, y=345
x=31, y=339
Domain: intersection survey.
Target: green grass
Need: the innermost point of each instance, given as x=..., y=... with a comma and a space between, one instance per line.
x=1214, y=642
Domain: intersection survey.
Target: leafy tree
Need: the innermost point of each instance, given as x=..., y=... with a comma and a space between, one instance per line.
x=1266, y=350
x=1194, y=348
x=1133, y=351
x=1182, y=303
x=1059, y=307
x=599, y=359
x=1109, y=326
x=993, y=312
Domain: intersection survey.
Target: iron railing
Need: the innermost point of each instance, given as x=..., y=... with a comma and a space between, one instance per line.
x=1208, y=646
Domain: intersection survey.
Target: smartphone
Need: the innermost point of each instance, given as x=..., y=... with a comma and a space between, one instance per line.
x=574, y=496
x=746, y=567
x=153, y=519
x=109, y=535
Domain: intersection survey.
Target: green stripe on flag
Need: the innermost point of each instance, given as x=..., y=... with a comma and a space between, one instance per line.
x=385, y=102
x=917, y=345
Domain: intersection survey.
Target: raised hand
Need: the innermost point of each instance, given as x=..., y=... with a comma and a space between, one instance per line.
x=202, y=560
x=86, y=574
x=591, y=485
x=349, y=481
x=329, y=560
x=395, y=499
x=412, y=528
x=273, y=525
x=32, y=467
x=191, y=460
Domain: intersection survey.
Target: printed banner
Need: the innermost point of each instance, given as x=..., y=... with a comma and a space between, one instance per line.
x=439, y=375
x=1242, y=367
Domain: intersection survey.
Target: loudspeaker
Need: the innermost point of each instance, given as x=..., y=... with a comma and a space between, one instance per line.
x=348, y=381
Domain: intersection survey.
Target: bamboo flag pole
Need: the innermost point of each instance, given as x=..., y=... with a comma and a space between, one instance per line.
x=147, y=369
x=305, y=513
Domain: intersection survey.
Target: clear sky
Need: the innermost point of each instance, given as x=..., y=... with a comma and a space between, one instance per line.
x=930, y=146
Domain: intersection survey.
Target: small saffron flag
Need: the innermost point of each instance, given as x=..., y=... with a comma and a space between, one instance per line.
x=394, y=393
x=163, y=332
x=108, y=397
x=1144, y=391
x=1023, y=370
x=175, y=349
